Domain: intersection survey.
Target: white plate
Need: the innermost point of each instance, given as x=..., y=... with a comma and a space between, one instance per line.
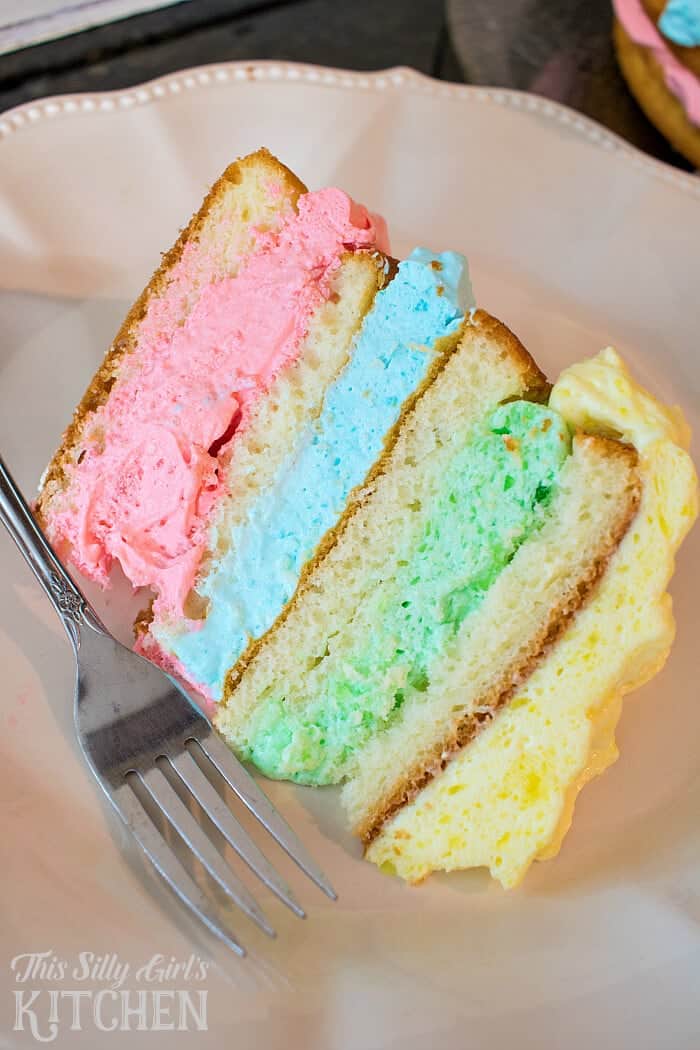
x=575, y=240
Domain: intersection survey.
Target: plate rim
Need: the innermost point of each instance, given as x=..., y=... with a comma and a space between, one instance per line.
x=589, y=131
x=338, y=958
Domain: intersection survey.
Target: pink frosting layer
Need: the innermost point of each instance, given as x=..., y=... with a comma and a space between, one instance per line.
x=145, y=493
x=679, y=80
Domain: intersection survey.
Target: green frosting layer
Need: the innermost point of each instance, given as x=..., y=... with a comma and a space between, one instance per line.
x=493, y=496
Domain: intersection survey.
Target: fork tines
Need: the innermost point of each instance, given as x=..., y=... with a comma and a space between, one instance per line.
x=167, y=801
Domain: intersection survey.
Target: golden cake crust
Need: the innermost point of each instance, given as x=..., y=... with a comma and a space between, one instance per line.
x=646, y=82
x=511, y=677
x=55, y=477
x=654, y=8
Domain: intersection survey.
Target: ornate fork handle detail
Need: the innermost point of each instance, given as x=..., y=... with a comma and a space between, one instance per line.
x=68, y=601
x=71, y=605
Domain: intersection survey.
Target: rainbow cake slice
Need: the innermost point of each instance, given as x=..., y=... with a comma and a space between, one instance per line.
x=396, y=558
x=243, y=402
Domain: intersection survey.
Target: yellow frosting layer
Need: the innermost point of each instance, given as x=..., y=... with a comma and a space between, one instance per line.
x=508, y=798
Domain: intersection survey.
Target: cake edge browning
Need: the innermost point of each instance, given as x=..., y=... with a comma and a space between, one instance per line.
x=512, y=677
x=476, y=323
x=55, y=477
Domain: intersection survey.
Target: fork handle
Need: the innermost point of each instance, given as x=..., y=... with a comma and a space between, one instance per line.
x=67, y=599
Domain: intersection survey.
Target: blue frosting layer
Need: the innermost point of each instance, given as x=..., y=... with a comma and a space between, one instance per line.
x=680, y=22
x=332, y=454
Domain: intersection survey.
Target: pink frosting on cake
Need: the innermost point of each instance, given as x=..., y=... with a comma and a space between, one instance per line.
x=146, y=484
x=679, y=80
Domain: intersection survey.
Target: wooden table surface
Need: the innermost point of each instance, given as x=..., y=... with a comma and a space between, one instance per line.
x=558, y=48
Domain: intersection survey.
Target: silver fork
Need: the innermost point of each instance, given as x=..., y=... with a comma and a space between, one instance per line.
x=132, y=720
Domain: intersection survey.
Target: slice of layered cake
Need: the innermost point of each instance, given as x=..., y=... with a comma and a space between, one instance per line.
x=245, y=399
x=370, y=528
